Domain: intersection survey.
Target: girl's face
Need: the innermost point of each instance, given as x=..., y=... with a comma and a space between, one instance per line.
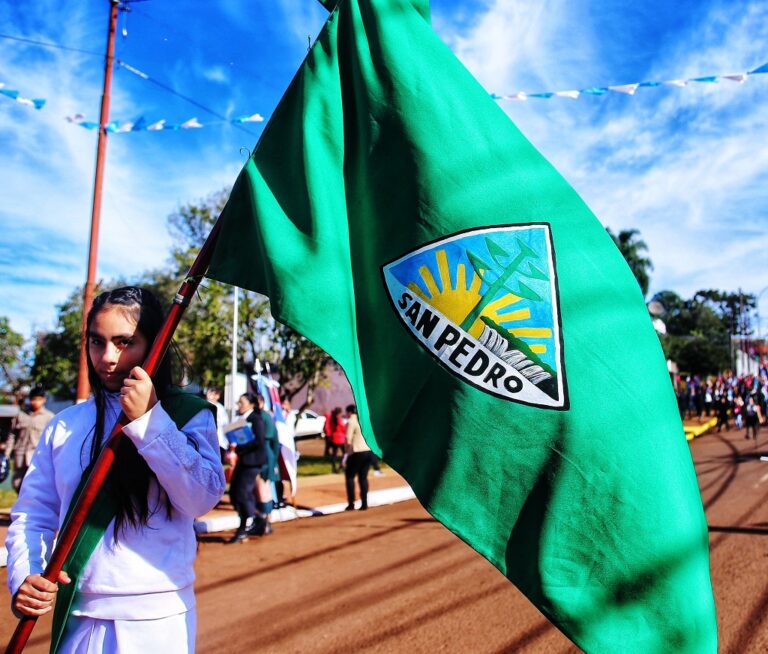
x=115, y=346
x=243, y=405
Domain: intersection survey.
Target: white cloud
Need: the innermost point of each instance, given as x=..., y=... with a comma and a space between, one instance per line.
x=303, y=19
x=687, y=166
x=47, y=182
x=217, y=74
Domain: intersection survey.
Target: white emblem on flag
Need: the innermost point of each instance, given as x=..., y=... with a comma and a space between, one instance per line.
x=484, y=303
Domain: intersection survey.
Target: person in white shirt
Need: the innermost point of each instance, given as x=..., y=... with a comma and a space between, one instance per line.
x=135, y=591
x=213, y=395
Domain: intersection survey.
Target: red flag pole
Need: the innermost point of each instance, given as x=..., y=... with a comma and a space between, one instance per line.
x=66, y=538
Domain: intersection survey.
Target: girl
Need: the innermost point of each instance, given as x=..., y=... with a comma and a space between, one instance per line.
x=135, y=592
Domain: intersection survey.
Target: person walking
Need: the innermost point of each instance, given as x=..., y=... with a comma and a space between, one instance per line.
x=26, y=433
x=359, y=460
x=135, y=592
x=251, y=456
x=723, y=406
x=269, y=472
x=338, y=435
x=752, y=417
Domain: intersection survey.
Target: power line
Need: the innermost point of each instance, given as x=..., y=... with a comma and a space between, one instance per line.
x=173, y=91
x=130, y=69
x=57, y=46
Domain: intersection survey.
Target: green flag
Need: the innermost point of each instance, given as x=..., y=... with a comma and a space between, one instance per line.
x=498, y=346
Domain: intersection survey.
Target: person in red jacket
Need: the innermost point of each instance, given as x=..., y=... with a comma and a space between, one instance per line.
x=336, y=429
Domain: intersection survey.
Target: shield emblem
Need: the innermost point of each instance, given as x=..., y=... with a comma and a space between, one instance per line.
x=485, y=304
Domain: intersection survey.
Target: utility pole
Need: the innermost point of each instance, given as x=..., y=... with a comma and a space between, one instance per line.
x=83, y=387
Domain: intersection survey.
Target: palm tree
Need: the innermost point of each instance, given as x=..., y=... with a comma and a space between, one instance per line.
x=633, y=249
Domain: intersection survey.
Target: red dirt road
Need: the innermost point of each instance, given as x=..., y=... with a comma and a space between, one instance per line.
x=393, y=580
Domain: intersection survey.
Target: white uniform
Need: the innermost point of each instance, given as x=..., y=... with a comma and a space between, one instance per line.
x=147, y=574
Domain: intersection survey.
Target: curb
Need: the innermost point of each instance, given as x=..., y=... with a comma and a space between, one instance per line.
x=232, y=522
x=375, y=498
x=700, y=430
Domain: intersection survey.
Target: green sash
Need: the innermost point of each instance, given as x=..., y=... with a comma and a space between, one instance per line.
x=181, y=407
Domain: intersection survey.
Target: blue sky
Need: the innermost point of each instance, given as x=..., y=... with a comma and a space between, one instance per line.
x=687, y=166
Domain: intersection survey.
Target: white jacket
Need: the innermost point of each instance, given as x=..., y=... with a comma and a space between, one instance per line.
x=148, y=573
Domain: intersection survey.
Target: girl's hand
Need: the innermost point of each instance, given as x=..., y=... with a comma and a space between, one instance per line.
x=35, y=596
x=137, y=396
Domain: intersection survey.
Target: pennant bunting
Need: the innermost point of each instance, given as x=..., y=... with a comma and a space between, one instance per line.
x=140, y=125
x=630, y=89
x=37, y=103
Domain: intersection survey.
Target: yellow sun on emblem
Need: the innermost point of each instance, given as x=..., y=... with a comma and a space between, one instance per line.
x=456, y=302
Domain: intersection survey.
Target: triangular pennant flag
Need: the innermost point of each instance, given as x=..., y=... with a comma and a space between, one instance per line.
x=568, y=94
x=253, y=118
x=192, y=123
x=628, y=89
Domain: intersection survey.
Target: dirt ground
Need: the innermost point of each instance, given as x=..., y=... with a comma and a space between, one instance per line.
x=391, y=579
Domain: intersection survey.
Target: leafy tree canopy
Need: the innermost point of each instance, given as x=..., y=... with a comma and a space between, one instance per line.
x=12, y=364
x=699, y=330
x=204, y=336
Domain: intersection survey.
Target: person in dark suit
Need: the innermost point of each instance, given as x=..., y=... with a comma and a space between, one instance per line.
x=251, y=457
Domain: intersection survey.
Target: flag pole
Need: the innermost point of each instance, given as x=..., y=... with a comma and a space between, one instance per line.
x=71, y=529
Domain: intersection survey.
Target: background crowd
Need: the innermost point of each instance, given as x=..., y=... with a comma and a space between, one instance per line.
x=726, y=396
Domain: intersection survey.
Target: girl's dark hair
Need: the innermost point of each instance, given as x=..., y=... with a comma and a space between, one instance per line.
x=252, y=398
x=335, y=417
x=130, y=475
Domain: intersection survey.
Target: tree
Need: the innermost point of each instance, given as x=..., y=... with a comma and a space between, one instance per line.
x=205, y=333
x=302, y=363
x=734, y=309
x=204, y=336
x=57, y=353
x=697, y=337
x=632, y=248
x=12, y=366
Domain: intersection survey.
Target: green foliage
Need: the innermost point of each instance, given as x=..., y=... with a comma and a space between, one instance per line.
x=57, y=353
x=633, y=249
x=204, y=336
x=302, y=363
x=12, y=366
x=699, y=330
